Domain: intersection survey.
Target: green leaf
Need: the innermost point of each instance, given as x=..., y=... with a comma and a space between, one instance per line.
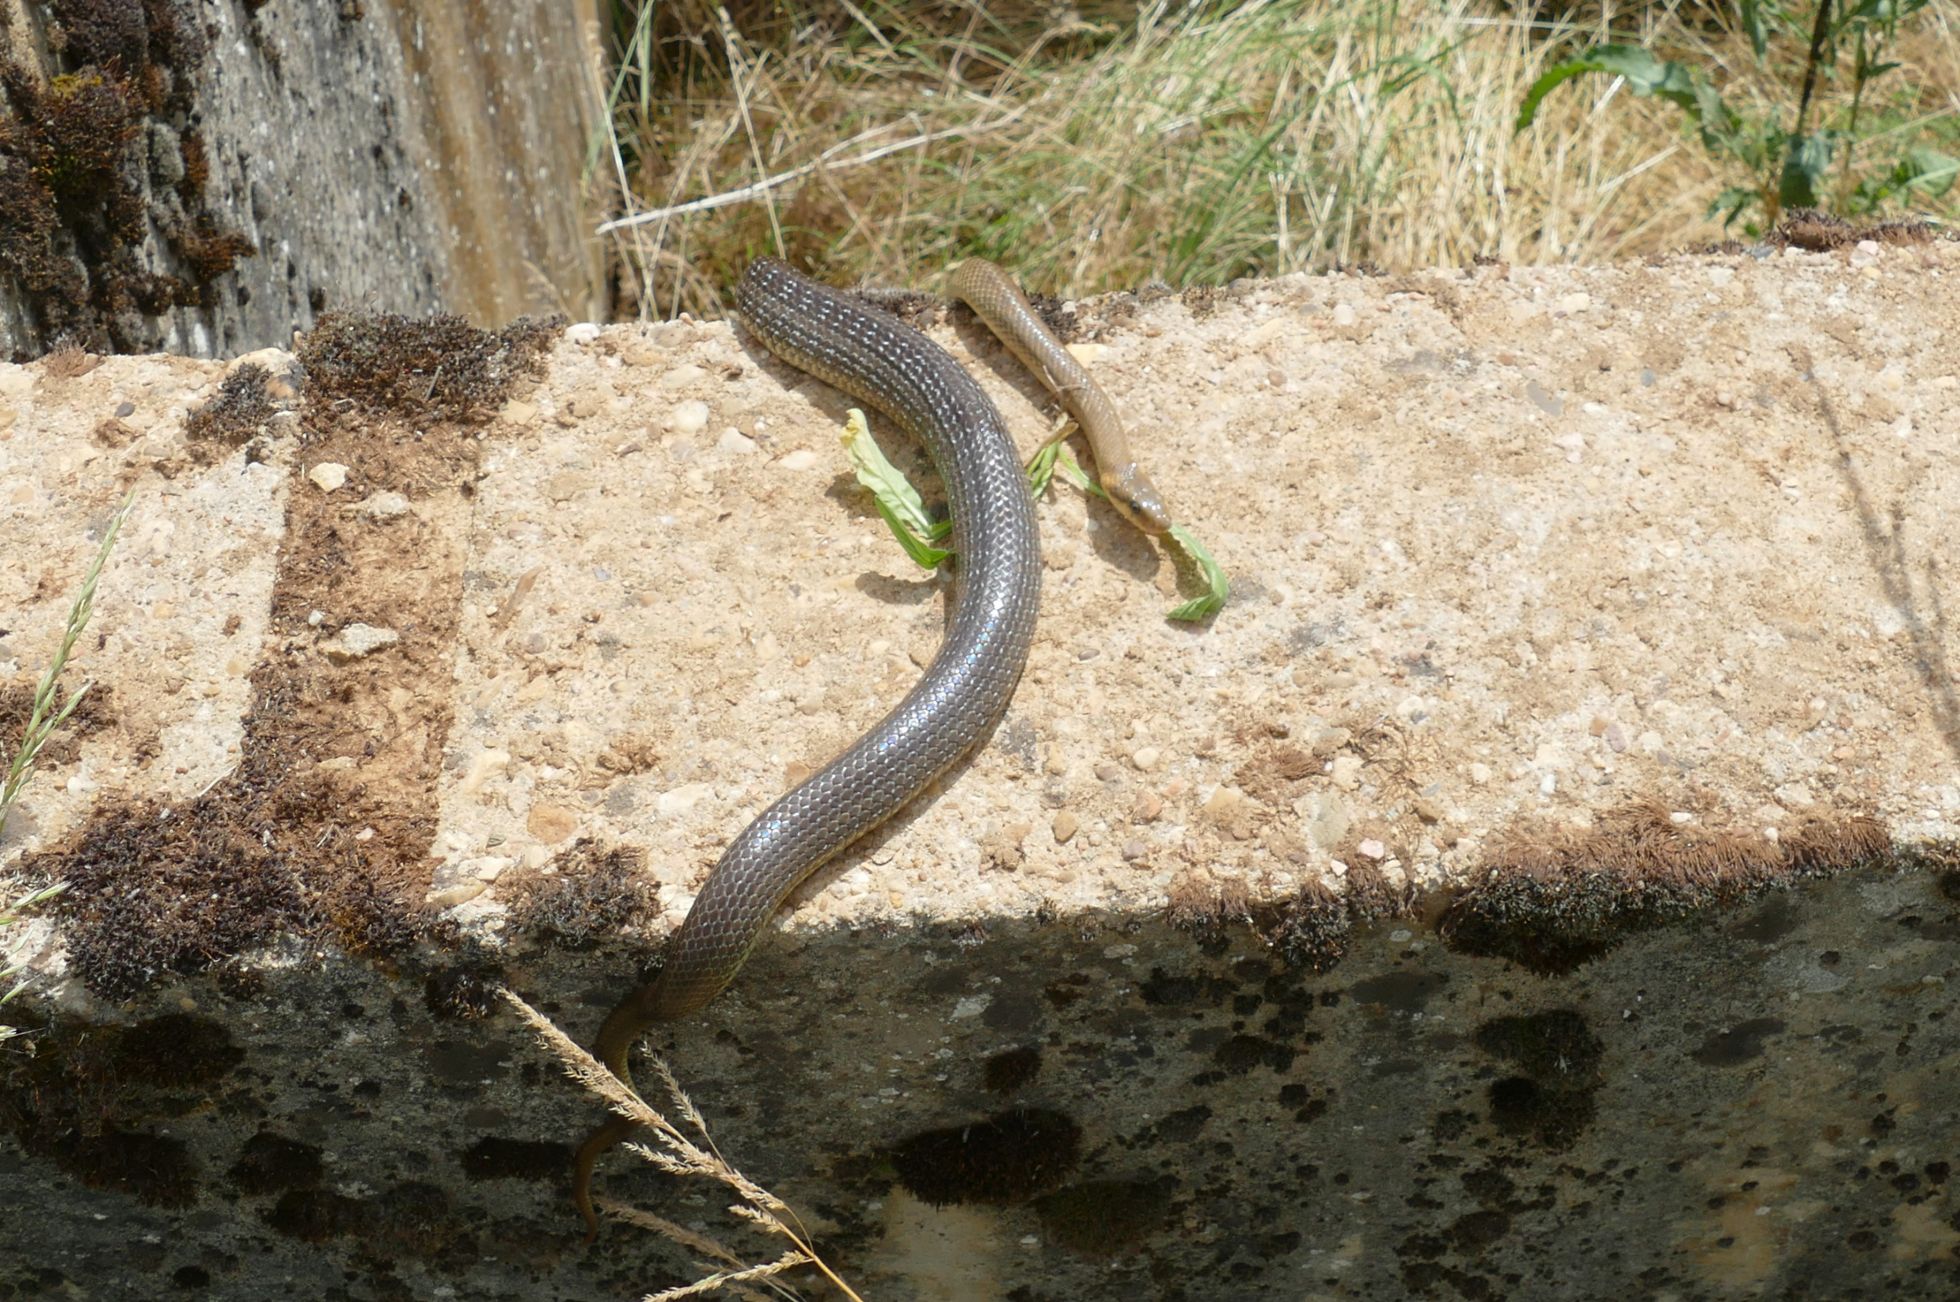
x=1803, y=168
x=927, y=556
x=1073, y=472
x=1647, y=74
x=894, y=492
x=1754, y=22
x=1735, y=200
x=1217, y=586
x=1042, y=468
x=1927, y=170
x=898, y=503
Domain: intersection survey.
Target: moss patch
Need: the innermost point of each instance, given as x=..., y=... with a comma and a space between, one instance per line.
x=102, y=160
x=437, y=366
x=1551, y=899
x=586, y=893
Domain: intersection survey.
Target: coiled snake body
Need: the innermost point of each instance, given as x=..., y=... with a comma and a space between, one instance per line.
x=874, y=357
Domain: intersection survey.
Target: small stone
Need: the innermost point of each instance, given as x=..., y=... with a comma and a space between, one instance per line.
x=1064, y=827
x=1327, y=818
x=1373, y=849
x=1344, y=315
x=568, y=484
x=1429, y=809
x=735, y=443
x=461, y=893
x=1323, y=739
x=551, y=824
x=488, y=764
x=1148, y=808
x=801, y=459
x=1577, y=301
x=385, y=505
x=519, y=412
x=1480, y=773
x=583, y=332
x=672, y=804
x=1146, y=758
x=1616, y=738
x=1346, y=772
x=357, y=640
x=690, y=417
x=1133, y=850
x=328, y=476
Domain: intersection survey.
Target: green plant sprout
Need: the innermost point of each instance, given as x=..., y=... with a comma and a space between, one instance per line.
x=1789, y=168
x=904, y=512
x=44, y=717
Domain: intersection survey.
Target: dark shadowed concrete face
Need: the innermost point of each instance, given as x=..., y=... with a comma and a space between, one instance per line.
x=1413, y=1120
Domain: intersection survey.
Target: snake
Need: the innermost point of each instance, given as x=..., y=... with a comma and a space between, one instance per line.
x=871, y=355
x=998, y=301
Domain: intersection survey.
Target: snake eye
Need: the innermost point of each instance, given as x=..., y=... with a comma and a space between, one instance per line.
x=1137, y=500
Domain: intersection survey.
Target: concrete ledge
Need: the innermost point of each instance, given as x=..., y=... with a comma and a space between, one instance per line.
x=1579, y=613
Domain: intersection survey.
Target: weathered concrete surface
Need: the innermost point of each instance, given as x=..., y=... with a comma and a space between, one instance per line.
x=1590, y=614
x=382, y=155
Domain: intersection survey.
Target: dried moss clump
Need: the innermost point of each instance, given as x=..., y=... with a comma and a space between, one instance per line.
x=437, y=366
x=593, y=893
x=1310, y=930
x=239, y=412
x=1555, y=898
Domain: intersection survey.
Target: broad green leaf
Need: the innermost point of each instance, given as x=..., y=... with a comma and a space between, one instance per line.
x=1732, y=202
x=897, y=498
x=924, y=553
x=1927, y=170
x=1804, y=168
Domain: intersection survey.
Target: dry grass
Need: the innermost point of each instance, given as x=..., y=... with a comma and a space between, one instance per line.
x=688, y=1153
x=1188, y=143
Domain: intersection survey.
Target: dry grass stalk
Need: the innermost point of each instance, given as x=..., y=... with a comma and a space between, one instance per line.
x=677, y=1153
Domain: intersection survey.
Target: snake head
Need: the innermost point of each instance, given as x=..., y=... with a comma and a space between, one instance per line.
x=1136, y=499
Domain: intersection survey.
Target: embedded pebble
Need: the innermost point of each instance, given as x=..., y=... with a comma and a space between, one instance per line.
x=1372, y=849
x=690, y=417
x=735, y=443
x=1346, y=772
x=551, y=824
x=1323, y=739
x=1328, y=819
x=384, y=505
x=1064, y=827
x=461, y=893
x=582, y=332
x=1147, y=757
x=1345, y=315
x=358, y=640
x=680, y=800
x=801, y=459
x=328, y=476
x=1133, y=850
